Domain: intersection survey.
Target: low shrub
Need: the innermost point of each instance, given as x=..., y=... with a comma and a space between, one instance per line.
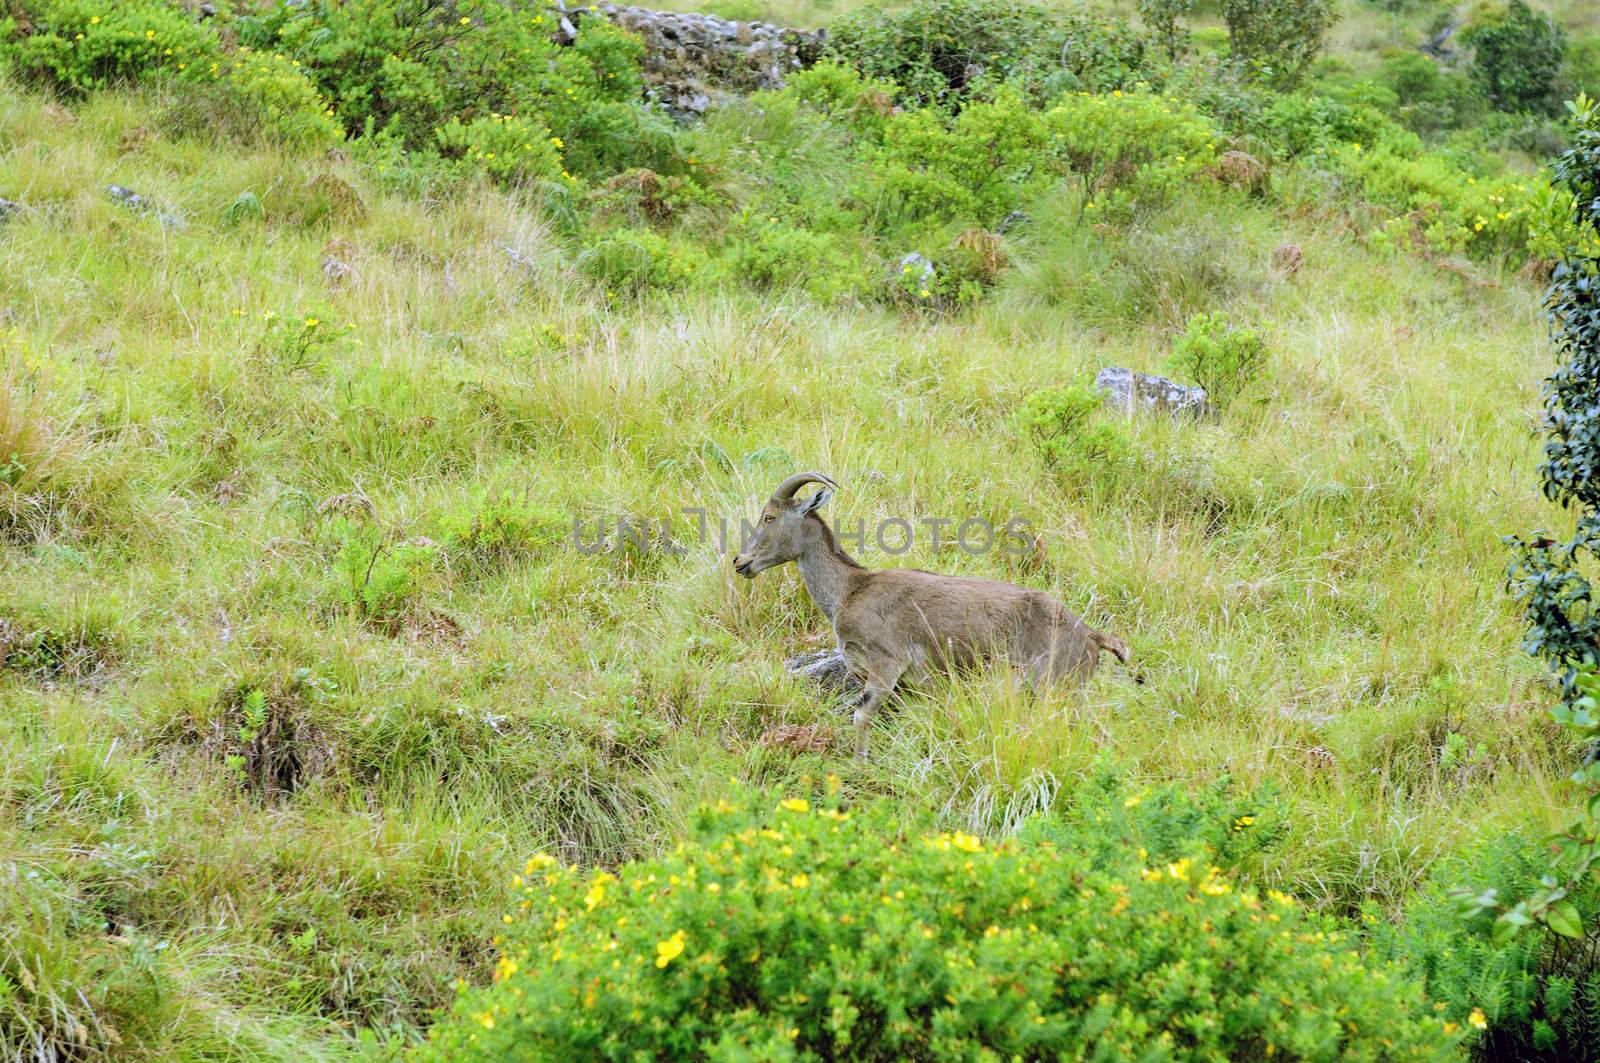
x=630, y=260
x=282, y=99
x=1533, y=996
x=779, y=930
x=779, y=255
x=77, y=46
x=978, y=166
x=1060, y=423
x=499, y=531
x=1218, y=357
x=1132, y=149
x=947, y=52
x=382, y=580
x=511, y=150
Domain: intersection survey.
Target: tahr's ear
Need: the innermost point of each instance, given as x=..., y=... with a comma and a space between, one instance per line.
x=816, y=501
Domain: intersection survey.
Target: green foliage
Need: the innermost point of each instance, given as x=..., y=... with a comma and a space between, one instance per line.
x=383, y=580
x=980, y=165
x=1220, y=358
x=1277, y=39
x=483, y=539
x=75, y=46
x=510, y=149
x=775, y=254
x=630, y=260
x=945, y=52
x=421, y=71
x=1537, y=994
x=1583, y=64
x=1061, y=424
x=284, y=100
x=1165, y=20
x=1517, y=55
x=1133, y=150
x=1302, y=124
x=779, y=930
x=1429, y=96
x=1546, y=574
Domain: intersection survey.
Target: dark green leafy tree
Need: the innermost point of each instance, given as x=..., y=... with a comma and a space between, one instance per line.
x=1517, y=57
x=1277, y=39
x=1548, y=572
x=1164, y=18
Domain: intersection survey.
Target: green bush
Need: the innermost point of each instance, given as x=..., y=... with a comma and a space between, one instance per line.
x=1165, y=19
x=1060, y=422
x=630, y=260
x=1429, y=97
x=497, y=532
x=1517, y=55
x=509, y=149
x=75, y=46
x=1583, y=65
x=1133, y=149
x=1536, y=995
x=1218, y=357
x=383, y=581
x=779, y=255
x=945, y=52
x=1277, y=39
x=411, y=70
x=282, y=101
x=783, y=931
x=978, y=166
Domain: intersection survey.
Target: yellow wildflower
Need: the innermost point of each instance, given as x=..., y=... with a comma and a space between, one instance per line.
x=670, y=949
x=1477, y=1020
x=795, y=804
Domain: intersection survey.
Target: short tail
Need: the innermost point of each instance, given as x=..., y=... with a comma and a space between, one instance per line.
x=1118, y=648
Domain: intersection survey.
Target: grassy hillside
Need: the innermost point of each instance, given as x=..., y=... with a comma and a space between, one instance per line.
x=299, y=661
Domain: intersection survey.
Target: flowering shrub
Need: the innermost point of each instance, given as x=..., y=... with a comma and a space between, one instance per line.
x=283, y=99
x=410, y=70
x=782, y=930
x=510, y=149
x=1132, y=148
x=75, y=46
x=1448, y=209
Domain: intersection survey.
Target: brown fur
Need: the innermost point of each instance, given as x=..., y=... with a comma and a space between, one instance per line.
x=901, y=623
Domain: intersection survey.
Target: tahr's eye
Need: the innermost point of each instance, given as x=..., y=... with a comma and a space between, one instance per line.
x=767, y=519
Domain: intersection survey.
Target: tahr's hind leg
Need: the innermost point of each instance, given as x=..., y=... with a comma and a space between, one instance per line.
x=872, y=696
x=879, y=673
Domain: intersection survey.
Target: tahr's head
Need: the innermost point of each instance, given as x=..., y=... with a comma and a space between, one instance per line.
x=780, y=534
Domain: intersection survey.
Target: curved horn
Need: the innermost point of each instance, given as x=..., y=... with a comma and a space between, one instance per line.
x=786, y=490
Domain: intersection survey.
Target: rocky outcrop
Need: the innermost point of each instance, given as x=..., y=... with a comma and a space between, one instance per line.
x=142, y=205
x=1129, y=391
x=693, y=61
x=827, y=669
